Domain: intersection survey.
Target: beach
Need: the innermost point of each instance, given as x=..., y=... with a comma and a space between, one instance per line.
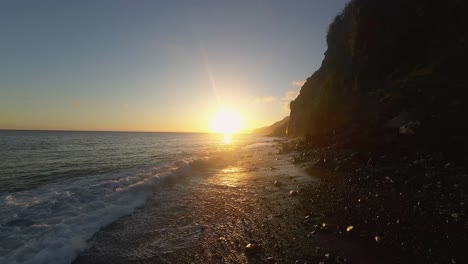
x=63, y=190
x=266, y=205
x=245, y=211
x=254, y=200
x=234, y=132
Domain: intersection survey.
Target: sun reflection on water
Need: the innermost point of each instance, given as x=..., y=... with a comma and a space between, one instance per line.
x=227, y=138
x=231, y=176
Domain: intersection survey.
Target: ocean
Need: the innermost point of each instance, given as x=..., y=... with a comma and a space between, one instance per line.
x=58, y=188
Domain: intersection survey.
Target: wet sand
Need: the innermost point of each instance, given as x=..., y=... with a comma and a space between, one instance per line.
x=234, y=213
x=254, y=205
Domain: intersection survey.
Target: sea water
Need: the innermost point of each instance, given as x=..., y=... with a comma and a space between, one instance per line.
x=58, y=188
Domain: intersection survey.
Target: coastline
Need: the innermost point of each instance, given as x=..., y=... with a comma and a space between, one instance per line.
x=246, y=211
x=290, y=203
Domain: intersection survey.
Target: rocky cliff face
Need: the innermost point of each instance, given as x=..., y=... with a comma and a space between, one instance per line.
x=394, y=70
x=278, y=129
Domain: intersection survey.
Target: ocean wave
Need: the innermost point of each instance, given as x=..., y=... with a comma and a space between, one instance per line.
x=51, y=224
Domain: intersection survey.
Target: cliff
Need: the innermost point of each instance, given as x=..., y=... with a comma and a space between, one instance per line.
x=394, y=71
x=277, y=129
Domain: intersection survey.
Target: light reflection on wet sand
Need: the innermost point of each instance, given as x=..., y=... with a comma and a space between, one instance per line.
x=212, y=214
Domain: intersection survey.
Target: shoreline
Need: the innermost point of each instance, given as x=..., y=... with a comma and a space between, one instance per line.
x=244, y=212
x=266, y=207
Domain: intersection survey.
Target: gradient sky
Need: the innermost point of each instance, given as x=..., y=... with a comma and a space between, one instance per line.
x=155, y=65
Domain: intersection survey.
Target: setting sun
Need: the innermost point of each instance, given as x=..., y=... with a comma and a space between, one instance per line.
x=226, y=121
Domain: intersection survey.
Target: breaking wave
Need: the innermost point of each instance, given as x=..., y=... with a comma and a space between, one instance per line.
x=51, y=224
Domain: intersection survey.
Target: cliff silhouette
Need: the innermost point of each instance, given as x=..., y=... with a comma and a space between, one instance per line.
x=394, y=72
x=277, y=129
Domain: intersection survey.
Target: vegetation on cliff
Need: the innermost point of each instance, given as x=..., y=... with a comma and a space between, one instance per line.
x=393, y=72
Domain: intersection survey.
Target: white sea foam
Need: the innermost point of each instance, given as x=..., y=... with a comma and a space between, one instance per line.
x=52, y=223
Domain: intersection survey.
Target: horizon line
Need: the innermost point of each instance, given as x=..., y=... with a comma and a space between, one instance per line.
x=115, y=131
x=84, y=130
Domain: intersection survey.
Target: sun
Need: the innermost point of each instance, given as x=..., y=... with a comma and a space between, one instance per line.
x=226, y=121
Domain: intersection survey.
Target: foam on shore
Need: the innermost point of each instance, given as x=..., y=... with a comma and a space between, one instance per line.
x=52, y=223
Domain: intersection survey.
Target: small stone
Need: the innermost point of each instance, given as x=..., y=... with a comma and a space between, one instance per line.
x=292, y=193
x=327, y=255
x=251, y=249
x=378, y=239
x=324, y=226
x=349, y=228
x=277, y=183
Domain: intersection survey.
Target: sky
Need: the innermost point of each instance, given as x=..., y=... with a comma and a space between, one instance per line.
x=134, y=65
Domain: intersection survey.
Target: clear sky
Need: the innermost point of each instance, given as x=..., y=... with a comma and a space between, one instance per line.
x=157, y=65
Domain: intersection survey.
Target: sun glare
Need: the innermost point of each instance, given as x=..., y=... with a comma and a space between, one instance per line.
x=227, y=122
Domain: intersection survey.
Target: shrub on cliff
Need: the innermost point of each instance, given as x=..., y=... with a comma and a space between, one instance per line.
x=385, y=58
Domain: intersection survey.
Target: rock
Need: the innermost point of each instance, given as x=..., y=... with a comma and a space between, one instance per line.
x=293, y=193
x=349, y=228
x=378, y=239
x=277, y=183
x=251, y=249
x=324, y=226
x=410, y=128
